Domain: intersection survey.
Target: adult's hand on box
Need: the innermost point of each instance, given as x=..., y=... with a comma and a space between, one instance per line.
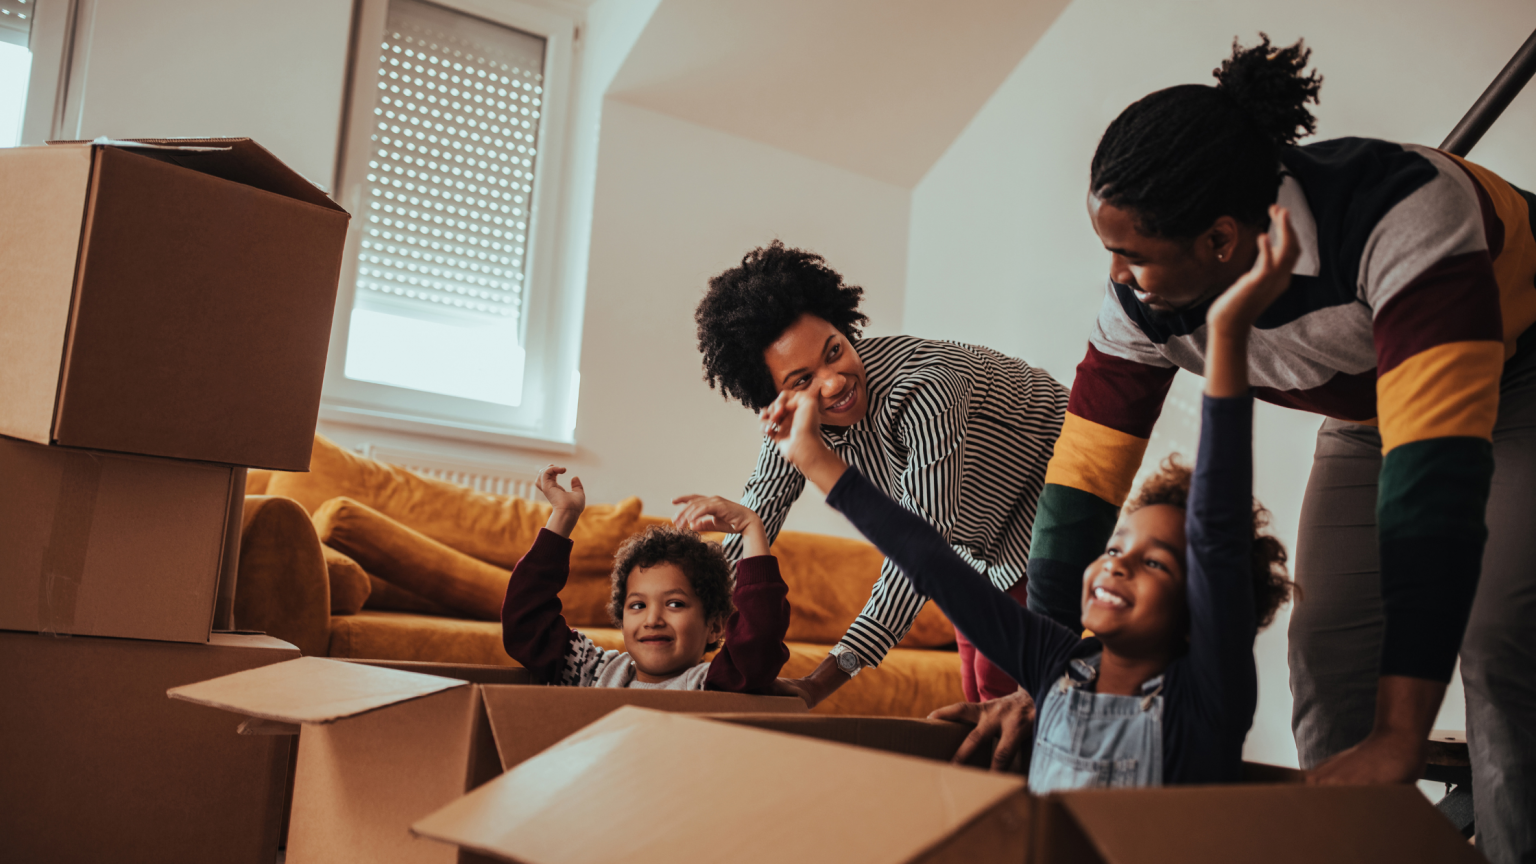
x=1009, y=721
x=795, y=687
x=1380, y=759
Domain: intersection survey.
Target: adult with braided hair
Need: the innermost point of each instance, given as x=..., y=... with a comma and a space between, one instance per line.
x=1407, y=325
x=958, y=434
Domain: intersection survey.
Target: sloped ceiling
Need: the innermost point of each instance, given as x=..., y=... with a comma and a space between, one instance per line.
x=879, y=87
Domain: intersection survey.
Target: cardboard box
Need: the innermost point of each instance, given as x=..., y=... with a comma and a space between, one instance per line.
x=99, y=766
x=103, y=544
x=907, y=736
x=381, y=748
x=642, y=786
x=170, y=301
x=1263, y=824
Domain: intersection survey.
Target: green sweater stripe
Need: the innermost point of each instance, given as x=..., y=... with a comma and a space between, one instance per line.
x=1435, y=488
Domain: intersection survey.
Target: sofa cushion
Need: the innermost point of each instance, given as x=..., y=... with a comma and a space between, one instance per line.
x=412, y=560
x=391, y=597
x=423, y=575
x=350, y=586
x=910, y=683
x=829, y=580
x=496, y=529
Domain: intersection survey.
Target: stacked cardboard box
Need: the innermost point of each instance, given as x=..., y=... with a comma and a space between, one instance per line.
x=167, y=308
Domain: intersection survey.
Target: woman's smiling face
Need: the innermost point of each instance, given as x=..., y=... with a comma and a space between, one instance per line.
x=812, y=354
x=1133, y=595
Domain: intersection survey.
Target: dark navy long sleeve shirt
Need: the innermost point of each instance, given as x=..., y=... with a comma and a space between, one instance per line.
x=1210, y=692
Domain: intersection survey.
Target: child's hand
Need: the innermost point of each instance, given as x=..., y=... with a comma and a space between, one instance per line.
x=713, y=513
x=568, y=503
x=1242, y=303
x=793, y=422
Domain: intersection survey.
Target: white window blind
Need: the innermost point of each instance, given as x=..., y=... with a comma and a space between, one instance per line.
x=443, y=260
x=16, y=21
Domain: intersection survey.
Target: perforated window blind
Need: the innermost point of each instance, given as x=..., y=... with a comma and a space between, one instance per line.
x=451, y=166
x=16, y=21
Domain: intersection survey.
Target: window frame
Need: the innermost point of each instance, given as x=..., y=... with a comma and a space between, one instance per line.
x=545, y=419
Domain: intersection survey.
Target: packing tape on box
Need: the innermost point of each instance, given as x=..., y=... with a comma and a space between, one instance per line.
x=68, y=539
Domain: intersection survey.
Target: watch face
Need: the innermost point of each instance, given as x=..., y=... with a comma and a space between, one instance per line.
x=848, y=662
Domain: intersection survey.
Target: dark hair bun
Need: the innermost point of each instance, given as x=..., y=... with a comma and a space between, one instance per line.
x=1268, y=83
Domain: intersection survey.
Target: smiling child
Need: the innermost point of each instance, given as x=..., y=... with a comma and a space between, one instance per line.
x=672, y=599
x=1165, y=689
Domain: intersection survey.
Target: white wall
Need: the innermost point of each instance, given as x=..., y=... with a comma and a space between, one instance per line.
x=1001, y=251
x=677, y=203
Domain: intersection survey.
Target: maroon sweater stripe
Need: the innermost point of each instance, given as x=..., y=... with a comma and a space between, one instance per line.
x=1456, y=299
x=1122, y=394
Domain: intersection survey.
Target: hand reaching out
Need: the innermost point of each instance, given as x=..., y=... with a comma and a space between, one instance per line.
x=568, y=503
x=793, y=422
x=1242, y=303
x=713, y=513
x=1231, y=317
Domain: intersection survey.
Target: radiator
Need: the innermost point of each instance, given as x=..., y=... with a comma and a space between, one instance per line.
x=496, y=479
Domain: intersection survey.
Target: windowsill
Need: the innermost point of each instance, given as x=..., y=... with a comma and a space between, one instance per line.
x=435, y=428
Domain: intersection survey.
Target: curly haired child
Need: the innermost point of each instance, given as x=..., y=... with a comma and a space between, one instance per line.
x=672, y=600
x=1164, y=690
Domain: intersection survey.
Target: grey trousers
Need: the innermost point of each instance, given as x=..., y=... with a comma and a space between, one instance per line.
x=1336, y=629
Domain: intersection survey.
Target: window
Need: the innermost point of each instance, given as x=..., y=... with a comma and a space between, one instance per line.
x=15, y=66
x=449, y=315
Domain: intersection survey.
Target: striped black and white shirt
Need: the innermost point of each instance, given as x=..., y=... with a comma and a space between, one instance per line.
x=958, y=434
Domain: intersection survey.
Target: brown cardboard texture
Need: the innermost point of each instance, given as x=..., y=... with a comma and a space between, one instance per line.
x=529, y=719
x=103, y=544
x=170, y=301
x=100, y=766
x=644, y=786
x=1258, y=823
x=909, y=736
x=381, y=748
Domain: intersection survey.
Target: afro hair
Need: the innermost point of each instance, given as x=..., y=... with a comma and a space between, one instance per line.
x=748, y=307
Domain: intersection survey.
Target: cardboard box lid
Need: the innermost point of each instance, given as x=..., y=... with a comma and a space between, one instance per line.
x=239, y=160
x=312, y=690
x=528, y=719
x=1260, y=824
x=644, y=786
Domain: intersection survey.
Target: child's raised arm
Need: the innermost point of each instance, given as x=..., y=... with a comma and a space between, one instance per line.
x=1219, y=520
x=533, y=631
x=1025, y=645
x=753, y=651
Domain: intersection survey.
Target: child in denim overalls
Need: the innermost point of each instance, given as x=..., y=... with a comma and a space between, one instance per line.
x=1165, y=689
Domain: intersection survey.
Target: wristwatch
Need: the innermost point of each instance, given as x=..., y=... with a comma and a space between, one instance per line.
x=847, y=660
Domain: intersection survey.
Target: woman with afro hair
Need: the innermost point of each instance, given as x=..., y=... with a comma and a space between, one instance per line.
x=958, y=434
x=1407, y=325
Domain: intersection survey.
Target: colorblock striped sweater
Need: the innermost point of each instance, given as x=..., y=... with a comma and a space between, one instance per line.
x=958, y=434
x=1414, y=282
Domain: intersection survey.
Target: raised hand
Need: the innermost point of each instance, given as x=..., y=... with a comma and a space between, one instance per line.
x=793, y=422
x=568, y=503
x=712, y=513
x=1242, y=303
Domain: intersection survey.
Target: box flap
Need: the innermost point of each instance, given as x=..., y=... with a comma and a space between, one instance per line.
x=240, y=160
x=1261, y=824
x=646, y=786
x=909, y=736
x=527, y=719
x=312, y=690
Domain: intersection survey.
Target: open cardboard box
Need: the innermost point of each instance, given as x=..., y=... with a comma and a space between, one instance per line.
x=105, y=544
x=165, y=297
x=618, y=790
x=642, y=786
x=380, y=748
x=96, y=765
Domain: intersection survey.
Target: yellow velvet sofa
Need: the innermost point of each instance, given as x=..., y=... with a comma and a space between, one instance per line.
x=360, y=559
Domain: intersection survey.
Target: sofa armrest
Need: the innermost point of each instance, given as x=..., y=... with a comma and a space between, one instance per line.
x=283, y=588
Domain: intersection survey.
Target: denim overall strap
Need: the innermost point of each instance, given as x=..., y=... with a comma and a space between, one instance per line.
x=1085, y=739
